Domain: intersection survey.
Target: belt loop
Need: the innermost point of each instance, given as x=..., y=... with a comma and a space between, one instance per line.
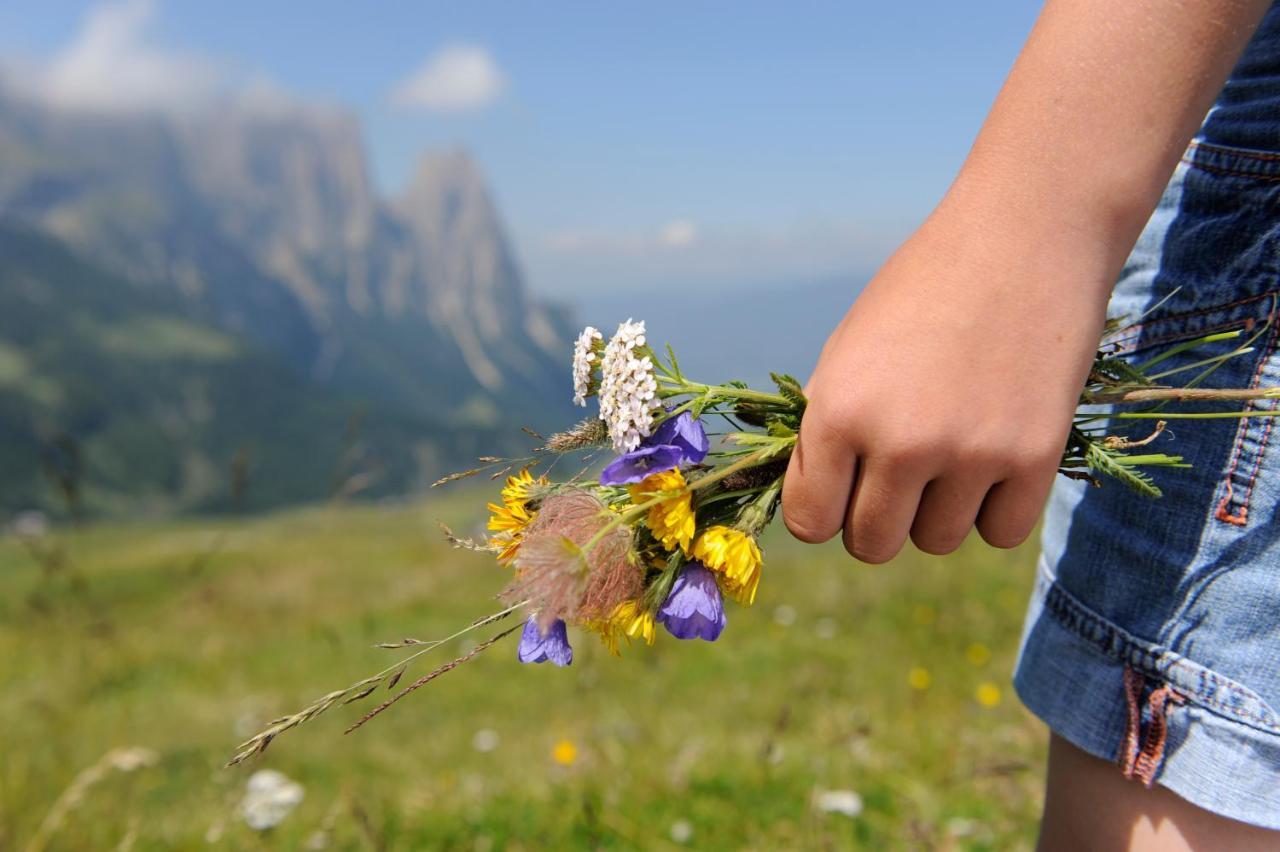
x=1136, y=762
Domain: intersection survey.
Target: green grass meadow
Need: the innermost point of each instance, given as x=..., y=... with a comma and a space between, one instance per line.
x=182, y=638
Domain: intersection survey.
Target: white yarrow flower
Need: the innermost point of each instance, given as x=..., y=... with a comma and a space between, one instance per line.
x=268, y=798
x=628, y=389
x=583, y=355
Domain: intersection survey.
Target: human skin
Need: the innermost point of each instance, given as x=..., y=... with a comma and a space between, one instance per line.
x=944, y=397
x=1090, y=805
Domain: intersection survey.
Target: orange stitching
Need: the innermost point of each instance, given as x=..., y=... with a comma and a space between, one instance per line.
x=1152, y=754
x=1156, y=341
x=1242, y=516
x=1253, y=474
x=1128, y=755
x=1222, y=514
x=1139, y=327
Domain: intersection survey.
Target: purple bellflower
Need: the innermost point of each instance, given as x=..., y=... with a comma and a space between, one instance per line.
x=694, y=609
x=684, y=432
x=539, y=647
x=639, y=463
x=677, y=441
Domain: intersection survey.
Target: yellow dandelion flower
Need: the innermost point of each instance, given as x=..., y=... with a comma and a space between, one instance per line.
x=671, y=521
x=564, y=753
x=924, y=614
x=733, y=555
x=636, y=622
x=512, y=517
x=919, y=678
x=628, y=621
x=977, y=654
x=987, y=694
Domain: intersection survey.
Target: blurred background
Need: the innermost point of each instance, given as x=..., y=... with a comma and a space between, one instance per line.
x=269, y=269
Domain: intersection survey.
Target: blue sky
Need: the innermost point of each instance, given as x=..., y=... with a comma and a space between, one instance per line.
x=638, y=144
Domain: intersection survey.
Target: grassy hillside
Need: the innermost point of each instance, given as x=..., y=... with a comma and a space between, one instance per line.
x=154, y=406
x=181, y=638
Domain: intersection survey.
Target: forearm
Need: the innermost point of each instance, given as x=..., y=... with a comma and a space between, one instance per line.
x=1094, y=116
x=945, y=396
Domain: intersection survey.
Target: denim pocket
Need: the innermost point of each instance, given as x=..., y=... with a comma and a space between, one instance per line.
x=1256, y=318
x=1234, y=162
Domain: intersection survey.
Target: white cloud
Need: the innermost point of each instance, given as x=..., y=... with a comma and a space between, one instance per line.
x=681, y=253
x=456, y=78
x=111, y=64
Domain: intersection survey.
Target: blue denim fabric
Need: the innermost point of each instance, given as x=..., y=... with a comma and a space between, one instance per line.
x=1246, y=114
x=1185, y=590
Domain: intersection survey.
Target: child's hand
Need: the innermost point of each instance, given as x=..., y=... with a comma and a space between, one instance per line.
x=946, y=393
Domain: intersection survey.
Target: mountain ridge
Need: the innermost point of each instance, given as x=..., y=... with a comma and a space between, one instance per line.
x=262, y=224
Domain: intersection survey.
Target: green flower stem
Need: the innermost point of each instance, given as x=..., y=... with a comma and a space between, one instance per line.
x=1187, y=346
x=755, y=516
x=759, y=457
x=669, y=388
x=1204, y=362
x=1152, y=460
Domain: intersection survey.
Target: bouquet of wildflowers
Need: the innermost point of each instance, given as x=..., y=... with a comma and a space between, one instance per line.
x=669, y=529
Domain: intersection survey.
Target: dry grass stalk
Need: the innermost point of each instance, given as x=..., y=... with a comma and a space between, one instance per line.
x=427, y=678
x=1116, y=442
x=1122, y=396
x=389, y=677
x=116, y=760
x=455, y=540
x=591, y=432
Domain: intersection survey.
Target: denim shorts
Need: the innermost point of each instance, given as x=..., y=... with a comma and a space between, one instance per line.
x=1153, y=635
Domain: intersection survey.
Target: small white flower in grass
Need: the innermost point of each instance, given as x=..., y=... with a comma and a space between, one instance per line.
x=268, y=798
x=628, y=389
x=30, y=525
x=485, y=740
x=583, y=356
x=845, y=802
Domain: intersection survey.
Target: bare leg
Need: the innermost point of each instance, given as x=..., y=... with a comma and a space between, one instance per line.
x=1090, y=806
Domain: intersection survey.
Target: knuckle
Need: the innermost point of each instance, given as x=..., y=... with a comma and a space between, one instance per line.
x=827, y=425
x=1038, y=459
x=912, y=452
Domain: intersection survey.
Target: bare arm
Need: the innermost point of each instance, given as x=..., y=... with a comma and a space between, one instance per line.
x=1100, y=106
x=945, y=395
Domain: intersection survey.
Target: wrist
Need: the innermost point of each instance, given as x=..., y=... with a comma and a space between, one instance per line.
x=1092, y=211
x=1027, y=233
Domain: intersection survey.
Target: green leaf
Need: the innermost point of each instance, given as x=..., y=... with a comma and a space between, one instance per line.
x=791, y=390
x=1111, y=463
x=675, y=365
x=779, y=429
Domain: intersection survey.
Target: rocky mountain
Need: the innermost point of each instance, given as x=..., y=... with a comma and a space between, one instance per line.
x=258, y=221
